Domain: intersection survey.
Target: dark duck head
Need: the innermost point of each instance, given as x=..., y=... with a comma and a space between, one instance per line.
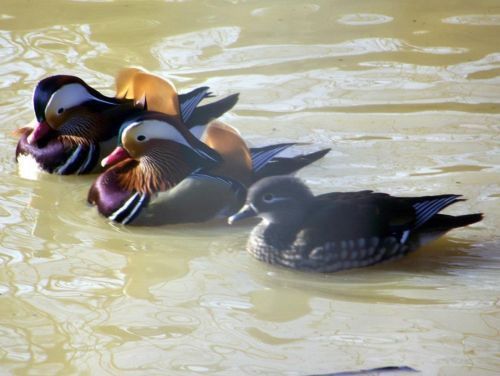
x=155, y=152
x=73, y=119
x=280, y=199
x=63, y=103
x=340, y=230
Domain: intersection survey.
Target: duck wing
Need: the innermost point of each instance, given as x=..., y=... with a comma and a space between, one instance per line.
x=189, y=101
x=262, y=156
x=352, y=216
x=199, y=197
x=202, y=115
x=343, y=216
x=286, y=165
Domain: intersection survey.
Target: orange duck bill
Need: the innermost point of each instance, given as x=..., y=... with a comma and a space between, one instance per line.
x=117, y=155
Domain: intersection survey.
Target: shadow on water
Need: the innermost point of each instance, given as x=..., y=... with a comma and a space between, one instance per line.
x=446, y=258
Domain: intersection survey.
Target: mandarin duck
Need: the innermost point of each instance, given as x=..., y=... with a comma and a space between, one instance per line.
x=161, y=174
x=77, y=125
x=340, y=230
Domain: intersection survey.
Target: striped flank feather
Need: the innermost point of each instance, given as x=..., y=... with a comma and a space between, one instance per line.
x=70, y=162
x=88, y=163
x=128, y=211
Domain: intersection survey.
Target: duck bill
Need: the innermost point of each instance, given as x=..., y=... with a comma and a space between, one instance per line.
x=39, y=132
x=117, y=155
x=247, y=211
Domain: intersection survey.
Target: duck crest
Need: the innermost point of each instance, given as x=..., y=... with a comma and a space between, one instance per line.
x=237, y=159
x=148, y=90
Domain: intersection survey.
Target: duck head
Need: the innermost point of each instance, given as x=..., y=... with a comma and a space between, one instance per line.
x=276, y=199
x=69, y=105
x=162, y=150
x=57, y=99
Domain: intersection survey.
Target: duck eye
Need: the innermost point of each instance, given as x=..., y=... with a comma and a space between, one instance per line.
x=60, y=110
x=141, y=137
x=268, y=197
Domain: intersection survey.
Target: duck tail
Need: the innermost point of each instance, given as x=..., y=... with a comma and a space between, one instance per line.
x=202, y=115
x=288, y=165
x=444, y=222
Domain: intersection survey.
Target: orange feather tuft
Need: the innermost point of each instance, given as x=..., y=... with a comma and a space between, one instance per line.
x=145, y=88
x=237, y=160
x=125, y=82
x=21, y=131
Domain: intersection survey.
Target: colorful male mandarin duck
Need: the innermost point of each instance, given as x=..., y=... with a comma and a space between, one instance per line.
x=77, y=125
x=344, y=230
x=161, y=174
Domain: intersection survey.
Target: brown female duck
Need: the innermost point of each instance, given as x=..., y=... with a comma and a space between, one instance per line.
x=340, y=230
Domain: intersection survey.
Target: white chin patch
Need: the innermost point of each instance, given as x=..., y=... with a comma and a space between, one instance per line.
x=28, y=167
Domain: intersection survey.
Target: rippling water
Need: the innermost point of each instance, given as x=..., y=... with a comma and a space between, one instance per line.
x=407, y=95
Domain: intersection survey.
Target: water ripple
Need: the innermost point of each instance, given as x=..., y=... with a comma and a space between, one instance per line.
x=46, y=50
x=75, y=48
x=474, y=20
x=382, y=83
x=185, y=53
x=27, y=57
x=359, y=19
x=8, y=49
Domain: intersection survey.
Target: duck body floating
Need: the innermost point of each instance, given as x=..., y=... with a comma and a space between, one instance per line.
x=162, y=174
x=77, y=125
x=340, y=230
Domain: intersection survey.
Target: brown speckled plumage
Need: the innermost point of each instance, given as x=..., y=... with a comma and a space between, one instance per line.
x=338, y=231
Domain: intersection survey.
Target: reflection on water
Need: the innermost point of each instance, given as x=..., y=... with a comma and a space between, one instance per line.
x=406, y=95
x=474, y=20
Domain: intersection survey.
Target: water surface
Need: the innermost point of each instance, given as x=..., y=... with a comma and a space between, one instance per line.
x=407, y=94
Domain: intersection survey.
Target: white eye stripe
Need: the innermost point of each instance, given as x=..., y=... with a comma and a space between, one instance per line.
x=161, y=130
x=69, y=96
x=154, y=129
